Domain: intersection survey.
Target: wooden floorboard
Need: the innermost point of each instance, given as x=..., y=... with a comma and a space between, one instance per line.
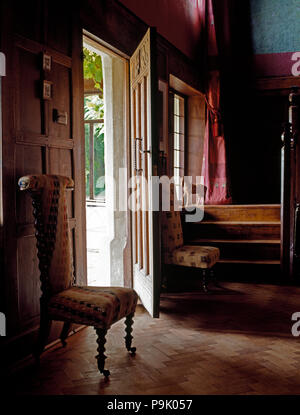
x=232, y=341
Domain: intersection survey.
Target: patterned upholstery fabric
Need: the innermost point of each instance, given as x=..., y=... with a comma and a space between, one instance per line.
x=95, y=306
x=172, y=236
x=53, y=226
x=173, y=249
x=196, y=256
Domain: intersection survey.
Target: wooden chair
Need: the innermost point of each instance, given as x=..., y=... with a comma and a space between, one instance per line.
x=61, y=300
x=176, y=253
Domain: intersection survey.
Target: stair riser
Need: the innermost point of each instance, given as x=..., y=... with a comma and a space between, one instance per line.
x=247, y=251
x=215, y=231
x=242, y=213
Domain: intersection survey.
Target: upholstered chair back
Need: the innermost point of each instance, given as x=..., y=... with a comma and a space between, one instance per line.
x=172, y=236
x=48, y=194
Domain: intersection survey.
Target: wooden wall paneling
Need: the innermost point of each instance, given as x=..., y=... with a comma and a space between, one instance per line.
x=29, y=158
x=36, y=47
x=279, y=85
x=28, y=279
x=77, y=134
x=163, y=89
x=61, y=162
x=162, y=60
x=28, y=90
x=9, y=282
x=59, y=15
x=29, y=19
x=182, y=67
x=33, y=143
x=61, y=78
x=32, y=126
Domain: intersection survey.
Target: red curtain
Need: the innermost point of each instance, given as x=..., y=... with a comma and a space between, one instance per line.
x=214, y=169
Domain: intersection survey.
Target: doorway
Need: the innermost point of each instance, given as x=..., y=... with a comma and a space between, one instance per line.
x=123, y=244
x=105, y=123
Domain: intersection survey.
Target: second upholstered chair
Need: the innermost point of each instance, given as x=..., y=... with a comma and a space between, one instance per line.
x=61, y=300
x=176, y=253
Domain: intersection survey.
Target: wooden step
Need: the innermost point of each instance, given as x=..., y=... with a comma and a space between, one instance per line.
x=245, y=234
x=241, y=250
x=232, y=230
x=249, y=261
x=242, y=213
x=204, y=241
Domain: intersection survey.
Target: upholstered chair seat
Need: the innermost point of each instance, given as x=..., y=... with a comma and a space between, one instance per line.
x=62, y=299
x=93, y=306
x=196, y=256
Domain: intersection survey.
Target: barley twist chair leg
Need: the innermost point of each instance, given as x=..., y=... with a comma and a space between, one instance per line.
x=101, y=340
x=128, y=338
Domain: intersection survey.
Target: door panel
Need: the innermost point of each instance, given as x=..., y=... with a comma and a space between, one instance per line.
x=144, y=145
x=34, y=143
x=27, y=156
x=60, y=77
x=29, y=287
x=29, y=115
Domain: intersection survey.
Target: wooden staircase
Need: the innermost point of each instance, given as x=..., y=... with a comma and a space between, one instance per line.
x=245, y=234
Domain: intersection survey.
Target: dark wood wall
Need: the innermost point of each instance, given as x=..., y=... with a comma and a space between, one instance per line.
x=33, y=143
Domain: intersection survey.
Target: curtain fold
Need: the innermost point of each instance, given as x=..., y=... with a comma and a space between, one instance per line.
x=214, y=167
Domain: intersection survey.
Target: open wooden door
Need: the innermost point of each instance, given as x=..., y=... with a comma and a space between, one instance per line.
x=144, y=162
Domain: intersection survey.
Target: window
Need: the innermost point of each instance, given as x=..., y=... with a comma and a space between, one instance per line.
x=187, y=120
x=177, y=139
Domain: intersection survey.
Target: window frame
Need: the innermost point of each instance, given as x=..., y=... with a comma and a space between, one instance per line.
x=173, y=93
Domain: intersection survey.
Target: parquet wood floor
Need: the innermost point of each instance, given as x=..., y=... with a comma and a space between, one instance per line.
x=233, y=341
